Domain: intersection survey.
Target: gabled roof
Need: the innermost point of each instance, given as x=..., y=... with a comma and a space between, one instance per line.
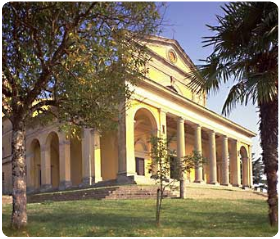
x=174, y=44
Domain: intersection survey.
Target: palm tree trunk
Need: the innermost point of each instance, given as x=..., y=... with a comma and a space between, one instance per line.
x=19, y=215
x=269, y=144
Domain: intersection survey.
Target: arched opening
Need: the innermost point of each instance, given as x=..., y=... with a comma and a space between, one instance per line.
x=244, y=166
x=53, y=147
x=144, y=127
x=35, y=164
x=76, y=161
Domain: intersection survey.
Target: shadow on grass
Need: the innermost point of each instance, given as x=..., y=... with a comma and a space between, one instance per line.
x=179, y=218
x=105, y=224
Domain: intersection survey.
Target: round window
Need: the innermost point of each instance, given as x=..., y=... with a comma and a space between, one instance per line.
x=172, y=56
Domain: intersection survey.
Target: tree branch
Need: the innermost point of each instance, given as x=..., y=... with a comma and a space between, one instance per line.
x=42, y=104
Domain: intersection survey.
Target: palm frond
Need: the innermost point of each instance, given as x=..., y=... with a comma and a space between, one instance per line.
x=237, y=94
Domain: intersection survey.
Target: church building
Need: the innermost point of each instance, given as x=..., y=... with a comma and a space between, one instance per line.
x=163, y=103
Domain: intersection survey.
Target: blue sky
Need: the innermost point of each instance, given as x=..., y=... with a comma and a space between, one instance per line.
x=186, y=22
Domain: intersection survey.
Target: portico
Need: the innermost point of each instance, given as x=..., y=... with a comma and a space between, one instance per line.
x=161, y=104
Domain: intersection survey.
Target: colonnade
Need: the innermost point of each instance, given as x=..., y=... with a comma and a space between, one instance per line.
x=230, y=161
x=44, y=180
x=91, y=155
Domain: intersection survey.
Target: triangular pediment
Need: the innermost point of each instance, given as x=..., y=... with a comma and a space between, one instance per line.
x=170, y=51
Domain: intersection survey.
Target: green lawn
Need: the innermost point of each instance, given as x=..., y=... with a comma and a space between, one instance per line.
x=136, y=218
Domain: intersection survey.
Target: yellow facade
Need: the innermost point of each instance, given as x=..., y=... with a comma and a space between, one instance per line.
x=163, y=103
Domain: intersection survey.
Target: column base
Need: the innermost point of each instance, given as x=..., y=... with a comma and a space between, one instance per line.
x=86, y=182
x=226, y=184
x=96, y=179
x=246, y=187
x=236, y=185
x=200, y=181
x=214, y=183
x=46, y=187
x=124, y=178
x=64, y=185
x=30, y=190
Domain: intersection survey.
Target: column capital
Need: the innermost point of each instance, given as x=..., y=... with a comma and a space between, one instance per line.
x=86, y=130
x=180, y=119
x=225, y=137
x=64, y=142
x=163, y=110
x=44, y=148
x=196, y=125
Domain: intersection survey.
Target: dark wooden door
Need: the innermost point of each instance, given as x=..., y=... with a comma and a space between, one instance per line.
x=140, y=166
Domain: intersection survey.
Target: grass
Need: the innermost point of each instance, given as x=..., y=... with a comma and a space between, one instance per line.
x=189, y=218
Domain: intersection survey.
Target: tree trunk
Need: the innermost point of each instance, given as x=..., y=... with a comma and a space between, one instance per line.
x=158, y=208
x=19, y=215
x=269, y=144
x=183, y=193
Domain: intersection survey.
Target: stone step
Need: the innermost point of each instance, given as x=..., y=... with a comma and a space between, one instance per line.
x=120, y=192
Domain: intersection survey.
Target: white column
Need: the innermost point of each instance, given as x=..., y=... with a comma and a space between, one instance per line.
x=225, y=161
x=180, y=140
x=250, y=166
x=64, y=164
x=212, y=158
x=235, y=162
x=29, y=172
x=198, y=148
x=96, y=160
x=245, y=171
x=163, y=126
x=86, y=157
x=162, y=132
x=45, y=168
x=126, y=156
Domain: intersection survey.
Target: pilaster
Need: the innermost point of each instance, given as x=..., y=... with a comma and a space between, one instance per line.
x=198, y=148
x=225, y=161
x=212, y=158
x=64, y=164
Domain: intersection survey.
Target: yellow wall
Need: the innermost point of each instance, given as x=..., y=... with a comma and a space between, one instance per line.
x=109, y=155
x=35, y=173
x=6, y=138
x=7, y=183
x=159, y=73
x=55, y=162
x=143, y=132
x=76, y=161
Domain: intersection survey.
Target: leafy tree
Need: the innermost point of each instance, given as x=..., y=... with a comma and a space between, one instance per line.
x=187, y=164
x=71, y=62
x=162, y=164
x=161, y=157
x=246, y=50
x=258, y=170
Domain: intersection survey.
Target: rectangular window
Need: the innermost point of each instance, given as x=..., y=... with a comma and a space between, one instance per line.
x=140, y=166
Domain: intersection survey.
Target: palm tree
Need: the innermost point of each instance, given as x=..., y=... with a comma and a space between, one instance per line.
x=245, y=51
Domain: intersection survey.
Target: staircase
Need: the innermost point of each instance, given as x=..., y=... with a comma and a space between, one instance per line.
x=114, y=192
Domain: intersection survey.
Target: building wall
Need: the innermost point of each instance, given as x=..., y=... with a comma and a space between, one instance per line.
x=159, y=73
x=7, y=176
x=109, y=155
x=76, y=161
x=147, y=106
